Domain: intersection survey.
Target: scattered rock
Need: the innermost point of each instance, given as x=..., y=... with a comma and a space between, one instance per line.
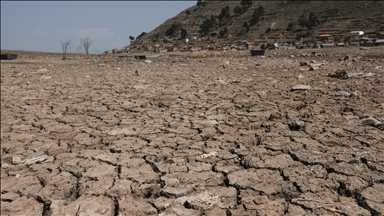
x=31, y=161
x=210, y=122
x=301, y=87
x=219, y=82
x=5, y=165
x=370, y=121
x=45, y=77
x=313, y=68
x=303, y=63
x=342, y=95
x=361, y=74
x=339, y=74
x=16, y=160
x=205, y=116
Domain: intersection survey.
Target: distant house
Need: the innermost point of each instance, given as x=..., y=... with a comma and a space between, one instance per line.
x=326, y=38
x=365, y=41
x=284, y=46
x=379, y=42
x=161, y=50
x=357, y=33
x=168, y=47
x=380, y=35
x=249, y=45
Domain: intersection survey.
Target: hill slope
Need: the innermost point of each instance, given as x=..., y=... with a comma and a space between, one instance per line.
x=334, y=17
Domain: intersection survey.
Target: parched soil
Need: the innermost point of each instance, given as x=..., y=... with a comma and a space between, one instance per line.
x=194, y=136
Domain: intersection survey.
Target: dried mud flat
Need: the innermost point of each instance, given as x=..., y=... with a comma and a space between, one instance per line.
x=128, y=137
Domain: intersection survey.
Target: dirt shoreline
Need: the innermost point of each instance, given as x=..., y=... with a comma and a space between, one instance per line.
x=194, y=136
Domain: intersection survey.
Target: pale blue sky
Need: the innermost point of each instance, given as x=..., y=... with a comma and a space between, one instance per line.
x=40, y=25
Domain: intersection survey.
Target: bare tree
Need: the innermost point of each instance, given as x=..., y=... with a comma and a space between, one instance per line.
x=79, y=49
x=86, y=43
x=64, y=47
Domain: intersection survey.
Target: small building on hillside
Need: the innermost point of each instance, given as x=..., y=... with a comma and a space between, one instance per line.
x=380, y=35
x=162, y=50
x=366, y=41
x=249, y=45
x=245, y=44
x=327, y=38
x=357, y=33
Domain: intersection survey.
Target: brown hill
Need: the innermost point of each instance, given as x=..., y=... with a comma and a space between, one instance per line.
x=333, y=17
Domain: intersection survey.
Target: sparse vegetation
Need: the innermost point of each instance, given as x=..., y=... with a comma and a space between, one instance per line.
x=347, y=39
x=311, y=22
x=303, y=35
x=188, y=12
x=246, y=26
x=201, y=3
x=85, y=44
x=174, y=29
x=246, y=3
x=290, y=27
x=184, y=33
x=141, y=35
x=208, y=25
x=251, y=19
x=260, y=10
x=239, y=10
x=225, y=14
x=256, y=15
x=64, y=47
x=155, y=37
x=131, y=38
x=223, y=32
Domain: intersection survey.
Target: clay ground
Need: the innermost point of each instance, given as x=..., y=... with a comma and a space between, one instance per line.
x=170, y=139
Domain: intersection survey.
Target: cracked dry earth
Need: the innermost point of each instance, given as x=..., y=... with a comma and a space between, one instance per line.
x=128, y=137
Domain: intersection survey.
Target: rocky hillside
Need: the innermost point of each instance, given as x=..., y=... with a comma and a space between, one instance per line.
x=228, y=22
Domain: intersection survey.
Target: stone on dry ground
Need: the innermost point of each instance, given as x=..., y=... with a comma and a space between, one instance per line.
x=168, y=142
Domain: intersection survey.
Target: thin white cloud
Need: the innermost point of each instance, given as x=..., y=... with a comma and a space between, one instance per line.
x=93, y=33
x=38, y=32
